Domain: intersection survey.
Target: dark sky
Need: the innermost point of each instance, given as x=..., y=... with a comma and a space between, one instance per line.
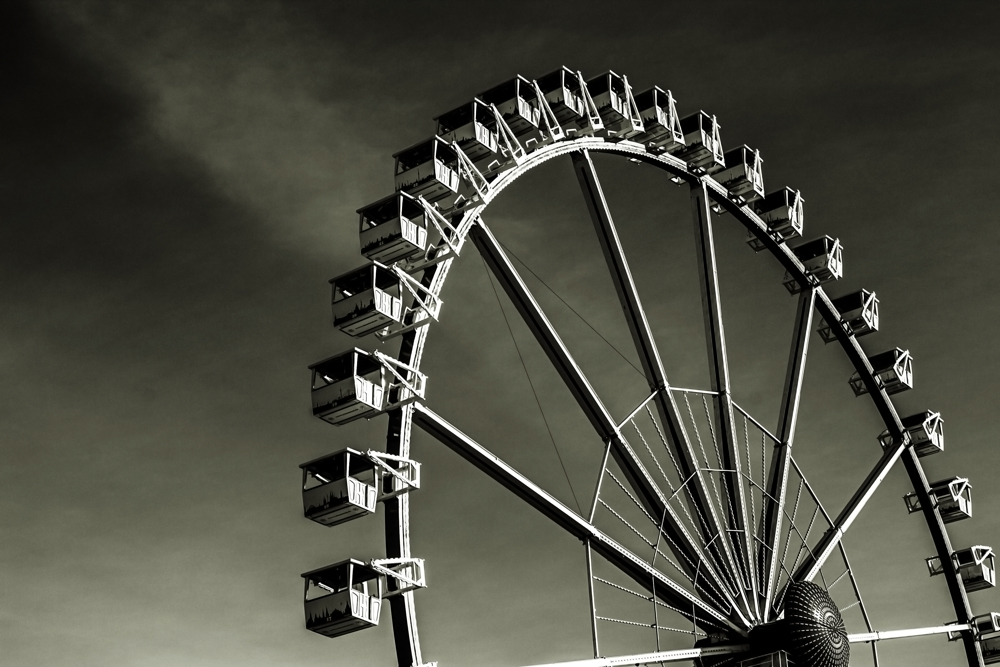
x=179, y=180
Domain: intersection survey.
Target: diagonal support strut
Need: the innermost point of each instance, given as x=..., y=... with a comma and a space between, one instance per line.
x=777, y=476
x=681, y=542
x=630, y=564
x=736, y=509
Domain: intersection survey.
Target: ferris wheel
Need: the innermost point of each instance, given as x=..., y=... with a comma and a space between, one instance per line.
x=701, y=513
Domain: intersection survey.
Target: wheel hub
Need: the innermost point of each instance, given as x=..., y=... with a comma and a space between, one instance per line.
x=812, y=631
x=816, y=635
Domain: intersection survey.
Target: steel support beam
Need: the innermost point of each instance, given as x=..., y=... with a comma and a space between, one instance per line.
x=614, y=254
x=654, y=658
x=544, y=332
x=649, y=357
x=593, y=602
x=736, y=520
x=627, y=562
x=777, y=476
x=649, y=494
x=904, y=634
x=812, y=564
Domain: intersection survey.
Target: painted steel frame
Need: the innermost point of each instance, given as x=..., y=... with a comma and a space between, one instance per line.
x=412, y=345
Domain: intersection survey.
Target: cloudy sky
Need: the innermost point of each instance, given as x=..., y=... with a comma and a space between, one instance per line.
x=179, y=181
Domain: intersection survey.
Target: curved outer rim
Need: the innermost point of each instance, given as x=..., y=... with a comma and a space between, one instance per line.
x=404, y=623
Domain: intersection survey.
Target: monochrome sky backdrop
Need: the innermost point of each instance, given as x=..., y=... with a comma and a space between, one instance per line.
x=179, y=179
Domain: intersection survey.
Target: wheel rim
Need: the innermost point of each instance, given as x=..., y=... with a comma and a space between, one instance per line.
x=813, y=298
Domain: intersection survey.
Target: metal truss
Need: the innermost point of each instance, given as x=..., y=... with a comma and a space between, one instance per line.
x=724, y=522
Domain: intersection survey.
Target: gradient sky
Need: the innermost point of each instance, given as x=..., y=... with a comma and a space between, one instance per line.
x=179, y=180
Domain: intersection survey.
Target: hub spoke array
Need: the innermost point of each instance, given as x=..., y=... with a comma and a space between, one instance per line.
x=712, y=521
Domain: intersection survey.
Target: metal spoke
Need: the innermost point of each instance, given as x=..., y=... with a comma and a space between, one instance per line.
x=622, y=558
x=544, y=332
x=719, y=371
x=812, y=564
x=593, y=603
x=882, y=635
x=653, y=658
x=638, y=477
x=614, y=254
x=777, y=477
x=649, y=356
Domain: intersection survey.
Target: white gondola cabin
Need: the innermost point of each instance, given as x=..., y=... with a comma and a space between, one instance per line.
x=393, y=229
x=743, y=174
x=661, y=124
x=562, y=91
x=926, y=431
x=987, y=629
x=893, y=370
x=702, y=144
x=783, y=213
x=986, y=624
x=366, y=300
x=356, y=384
x=859, y=313
x=342, y=598
x=990, y=647
x=473, y=127
x=339, y=487
x=822, y=258
x=428, y=169
x=975, y=565
x=613, y=98
x=953, y=498
x=517, y=103
x=348, y=386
